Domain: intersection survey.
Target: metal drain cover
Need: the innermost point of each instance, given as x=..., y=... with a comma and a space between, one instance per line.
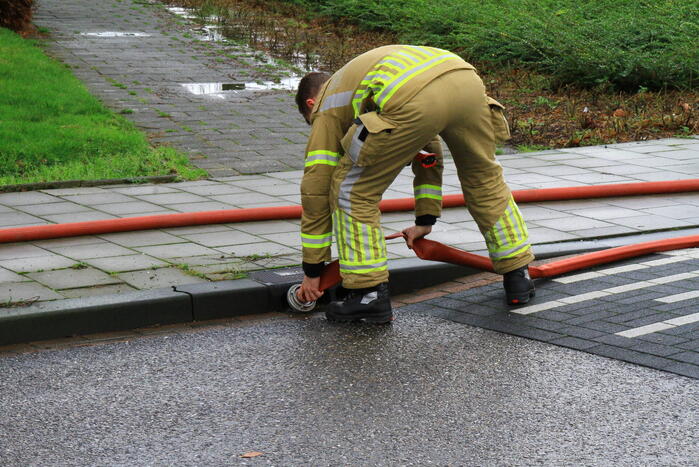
x=278, y=276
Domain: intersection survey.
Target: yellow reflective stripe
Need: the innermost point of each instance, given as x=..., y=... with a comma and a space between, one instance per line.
x=410, y=74
x=321, y=156
x=316, y=245
x=316, y=241
x=429, y=187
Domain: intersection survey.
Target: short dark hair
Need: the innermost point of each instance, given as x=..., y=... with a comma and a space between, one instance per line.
x=308, y=88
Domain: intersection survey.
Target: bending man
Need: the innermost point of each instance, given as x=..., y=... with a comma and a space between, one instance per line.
x=368, y=121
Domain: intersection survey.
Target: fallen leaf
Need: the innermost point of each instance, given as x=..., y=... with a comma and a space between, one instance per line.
x=619, y=113
x=250, y=454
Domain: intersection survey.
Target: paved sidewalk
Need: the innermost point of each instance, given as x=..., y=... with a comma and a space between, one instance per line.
x=121, y=262
x=143, y=60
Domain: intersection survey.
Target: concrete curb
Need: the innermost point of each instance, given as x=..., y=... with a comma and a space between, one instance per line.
x=264, y=292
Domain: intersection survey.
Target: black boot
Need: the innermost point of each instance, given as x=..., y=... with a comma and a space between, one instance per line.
x=373, y=305
x=519, y=288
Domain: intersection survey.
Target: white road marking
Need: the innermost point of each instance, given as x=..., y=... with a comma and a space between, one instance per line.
x=660, y=326
x=527, y=310
x=672, y=257
x=640, y=331
x=679, y=297
x=688, y=319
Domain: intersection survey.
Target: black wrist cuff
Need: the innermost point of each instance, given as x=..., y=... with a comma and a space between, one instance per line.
x=426, y=219
x=312, y=270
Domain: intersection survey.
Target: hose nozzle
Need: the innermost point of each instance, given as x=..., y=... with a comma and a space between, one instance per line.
x=295, y=303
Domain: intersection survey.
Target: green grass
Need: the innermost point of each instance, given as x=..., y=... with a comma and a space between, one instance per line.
x=624, y=44
x=52, y=129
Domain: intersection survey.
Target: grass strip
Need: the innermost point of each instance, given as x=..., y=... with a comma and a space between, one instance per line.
x=52, y=128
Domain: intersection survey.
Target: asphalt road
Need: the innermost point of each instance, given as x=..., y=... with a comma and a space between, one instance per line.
x=423, y=391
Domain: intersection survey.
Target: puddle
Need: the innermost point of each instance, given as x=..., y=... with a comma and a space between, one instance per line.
x=210, y=34
x=220, y=90
x=115, y=34
x=218, y=29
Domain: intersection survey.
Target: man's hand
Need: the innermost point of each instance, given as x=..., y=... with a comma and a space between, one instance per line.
x=413, y=233
x=309, y=291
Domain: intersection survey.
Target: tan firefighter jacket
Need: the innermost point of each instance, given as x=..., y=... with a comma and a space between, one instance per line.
x=376, y=82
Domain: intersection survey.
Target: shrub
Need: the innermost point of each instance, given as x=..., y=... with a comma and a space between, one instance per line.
x=623, y=43
x=15, y=15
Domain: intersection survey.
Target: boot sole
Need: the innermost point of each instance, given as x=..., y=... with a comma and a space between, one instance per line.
x=520, y=299
x=373, y=318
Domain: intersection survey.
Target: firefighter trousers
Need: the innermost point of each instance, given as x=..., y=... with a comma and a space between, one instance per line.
x=378, y=146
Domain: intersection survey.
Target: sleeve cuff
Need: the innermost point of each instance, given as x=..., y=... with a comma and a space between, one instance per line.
x=425, y=219
x=312, y=270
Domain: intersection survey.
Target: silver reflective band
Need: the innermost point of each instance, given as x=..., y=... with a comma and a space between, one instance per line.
x=318, y=240
x=346, y=187
x=356, y=144
x=340, y=99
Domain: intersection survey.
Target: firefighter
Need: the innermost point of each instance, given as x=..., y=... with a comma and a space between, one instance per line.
x=368, y=121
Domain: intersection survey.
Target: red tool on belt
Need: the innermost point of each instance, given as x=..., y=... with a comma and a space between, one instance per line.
x=426, y=159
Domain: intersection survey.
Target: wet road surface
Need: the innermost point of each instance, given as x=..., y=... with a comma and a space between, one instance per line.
x=422, y=391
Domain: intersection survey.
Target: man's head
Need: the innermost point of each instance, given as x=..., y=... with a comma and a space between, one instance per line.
x=309, y=86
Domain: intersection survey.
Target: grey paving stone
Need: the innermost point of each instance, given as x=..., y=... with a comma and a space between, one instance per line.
x=9, y=276
x=197, y=229
x=632, y=356
x=675, y=212
x=98, y=198
x=159, y=278
x=93, y=250
x=656, y=349
x=74, y=191
x=145, y=190
x=142, y=238
x=200, y=207
x=97, y=290
x=131, y=207
x=245, y=199
x=17, y=219
x=574, y=343
x=10, y=251
x=225, y=238
x=265, y=227
x=82, y=216
x=51, y=208
x=126, y=263
x=687, y=357
x=85, y=277
x=685, y=369
x=573, y=223
x=68, y=241
x=20, y=291
x=176, y=250
x=216, y=189
x=26, y=198
x=172, y=198
x=37, y=263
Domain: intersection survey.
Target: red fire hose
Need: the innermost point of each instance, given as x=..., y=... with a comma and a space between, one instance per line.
x=42, y=232
x=424, y=248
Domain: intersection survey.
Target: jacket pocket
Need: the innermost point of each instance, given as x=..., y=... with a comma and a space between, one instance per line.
x=367, y=139
x=501, y=129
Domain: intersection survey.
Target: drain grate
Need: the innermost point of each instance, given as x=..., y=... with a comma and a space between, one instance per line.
x=278, y=276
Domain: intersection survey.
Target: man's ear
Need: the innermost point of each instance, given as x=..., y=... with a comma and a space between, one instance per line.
x=310, y=102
